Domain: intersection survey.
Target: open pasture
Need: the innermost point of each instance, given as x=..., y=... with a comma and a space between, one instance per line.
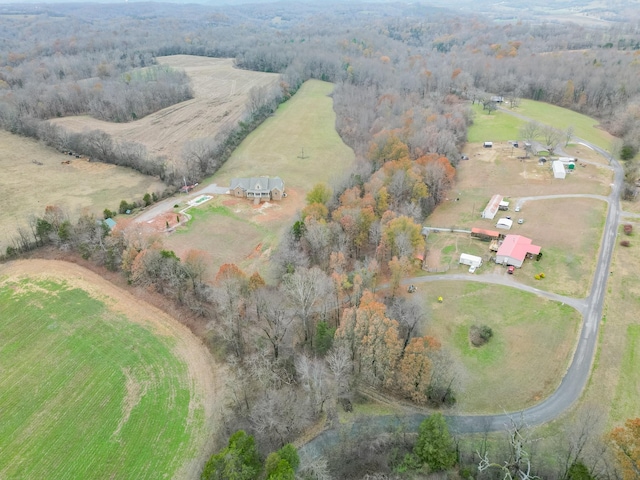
x=33, y=176
x=233, y=230
x=96, y=383
x=498, y=170
x=532, y=344
x=221, y=94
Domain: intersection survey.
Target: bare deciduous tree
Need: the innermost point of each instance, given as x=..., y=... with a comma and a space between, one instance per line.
x=518, y=465
x=307, y=289
x=314, y=380
x=272, y=317
x=551, y=137
x=529, y=133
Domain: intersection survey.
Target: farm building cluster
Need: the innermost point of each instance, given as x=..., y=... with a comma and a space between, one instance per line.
x=509, y=250
x=498, y=203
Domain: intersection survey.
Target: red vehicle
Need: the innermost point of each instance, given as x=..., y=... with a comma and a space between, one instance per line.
x=510, y=269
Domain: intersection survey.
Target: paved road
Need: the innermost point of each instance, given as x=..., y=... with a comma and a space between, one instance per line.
x=522, y=200
x=149, y=213
x=577, y=374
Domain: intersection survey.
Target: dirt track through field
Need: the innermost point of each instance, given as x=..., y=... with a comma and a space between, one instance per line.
x=220, y=98
x=206, y=377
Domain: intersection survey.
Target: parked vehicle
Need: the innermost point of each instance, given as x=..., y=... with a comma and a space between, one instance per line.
x=511, y=269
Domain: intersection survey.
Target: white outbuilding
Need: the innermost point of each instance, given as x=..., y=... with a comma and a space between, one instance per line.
x=504, y=223
x=471, y=260
x=558, y=169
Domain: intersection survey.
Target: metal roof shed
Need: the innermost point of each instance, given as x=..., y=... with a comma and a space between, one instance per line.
x=504, y=223
x=558, y=169
x=492, y=207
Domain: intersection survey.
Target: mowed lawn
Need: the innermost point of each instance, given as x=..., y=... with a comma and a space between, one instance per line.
x=496, y=126
x=235, y=230
x=305, y=122
x=562, y=118
x=532, y=345
x=85, y=393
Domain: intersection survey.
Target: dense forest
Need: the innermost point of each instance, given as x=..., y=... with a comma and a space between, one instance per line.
x=306, y=346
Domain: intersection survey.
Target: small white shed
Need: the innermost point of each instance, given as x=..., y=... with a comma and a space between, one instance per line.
x=558, y=169
x=504, y=223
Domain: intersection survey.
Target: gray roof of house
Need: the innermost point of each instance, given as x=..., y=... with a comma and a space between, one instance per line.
x=110, y=222
x=258, y=184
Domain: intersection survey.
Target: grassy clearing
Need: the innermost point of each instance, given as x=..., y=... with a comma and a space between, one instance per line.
x=562, y=118
x=246, y=235
x=495, y=127
x=85, y=392
x=524, y=361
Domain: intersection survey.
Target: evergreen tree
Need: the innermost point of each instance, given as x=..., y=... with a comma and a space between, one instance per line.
x=435, y=445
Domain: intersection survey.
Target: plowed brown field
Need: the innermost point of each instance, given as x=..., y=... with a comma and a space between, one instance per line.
x=220, y=98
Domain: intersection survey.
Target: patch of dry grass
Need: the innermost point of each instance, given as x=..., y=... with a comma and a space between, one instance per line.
x=28, y=187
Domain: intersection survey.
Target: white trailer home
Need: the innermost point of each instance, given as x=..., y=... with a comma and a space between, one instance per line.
x=471, y=260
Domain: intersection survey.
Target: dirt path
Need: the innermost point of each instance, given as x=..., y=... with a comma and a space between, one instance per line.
x=206, y=377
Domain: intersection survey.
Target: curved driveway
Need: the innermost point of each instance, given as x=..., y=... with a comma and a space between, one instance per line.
x=577, y=374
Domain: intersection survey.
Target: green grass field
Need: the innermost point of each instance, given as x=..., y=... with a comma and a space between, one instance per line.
x=532, y=344
x=495, y=127
x=85, y=393
x=500, y=126
x=561, y=118
x=306, y=121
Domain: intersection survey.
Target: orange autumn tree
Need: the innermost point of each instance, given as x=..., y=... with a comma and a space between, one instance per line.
x=414, y=369
x=387, y=147
x=626, y=441
x=372, y=338
x=377, y=350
